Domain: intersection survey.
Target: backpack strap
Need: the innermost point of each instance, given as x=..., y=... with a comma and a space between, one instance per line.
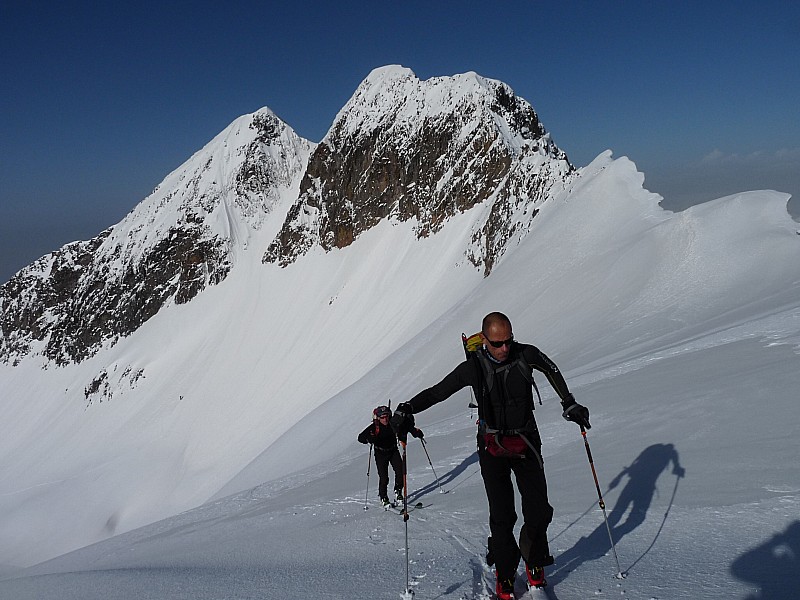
x=489, y=372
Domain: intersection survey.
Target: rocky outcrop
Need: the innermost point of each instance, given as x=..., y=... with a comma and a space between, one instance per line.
x=68, y=302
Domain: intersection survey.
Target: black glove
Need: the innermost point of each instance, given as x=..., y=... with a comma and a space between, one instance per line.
x=417, y=433
x=402, y=421
x=575, y=412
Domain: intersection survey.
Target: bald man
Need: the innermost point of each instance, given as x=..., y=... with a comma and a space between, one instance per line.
x=501, y=376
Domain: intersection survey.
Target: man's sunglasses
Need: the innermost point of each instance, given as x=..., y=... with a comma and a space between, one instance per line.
x=501, y=343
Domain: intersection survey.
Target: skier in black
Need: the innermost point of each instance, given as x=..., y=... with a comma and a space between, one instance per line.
x=500, y=373
x=382, y=437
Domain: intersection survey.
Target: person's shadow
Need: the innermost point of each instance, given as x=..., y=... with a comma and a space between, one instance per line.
x=774, y=566
x=448, y=477
x=634, y=500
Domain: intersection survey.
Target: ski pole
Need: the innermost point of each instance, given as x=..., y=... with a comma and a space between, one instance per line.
x=620, y=574
x=425, y=447
x=369, y=464
x=408, y=594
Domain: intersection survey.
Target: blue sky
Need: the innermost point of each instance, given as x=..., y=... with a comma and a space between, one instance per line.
x=101, y=100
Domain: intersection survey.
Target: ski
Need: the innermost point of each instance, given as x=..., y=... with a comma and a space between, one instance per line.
x=530, y=593
x=399, y=509
x=536, y=592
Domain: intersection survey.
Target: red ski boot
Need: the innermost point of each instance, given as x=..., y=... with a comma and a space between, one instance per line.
x=535, y=577
x=505, y=588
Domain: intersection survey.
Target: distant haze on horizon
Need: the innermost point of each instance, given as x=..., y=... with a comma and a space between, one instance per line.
x=102, y=102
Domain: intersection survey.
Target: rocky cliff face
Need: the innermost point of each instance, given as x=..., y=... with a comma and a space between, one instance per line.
x=178, y=241
x=424, y=150
x=400, y=149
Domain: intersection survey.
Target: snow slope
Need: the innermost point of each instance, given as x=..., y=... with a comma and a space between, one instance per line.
x=679, y=331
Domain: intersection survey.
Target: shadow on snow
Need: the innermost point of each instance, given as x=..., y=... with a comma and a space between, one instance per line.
x=444, y=479
x=774, y=566
x=634, y=499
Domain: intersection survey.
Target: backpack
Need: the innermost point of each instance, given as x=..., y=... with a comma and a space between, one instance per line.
x=509, y=443
x=472, y=349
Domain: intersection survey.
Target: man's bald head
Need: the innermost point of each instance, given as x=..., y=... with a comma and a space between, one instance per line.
x=494, y=319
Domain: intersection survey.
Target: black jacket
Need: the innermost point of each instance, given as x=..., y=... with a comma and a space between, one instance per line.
x=382, y=437
x=504, y=394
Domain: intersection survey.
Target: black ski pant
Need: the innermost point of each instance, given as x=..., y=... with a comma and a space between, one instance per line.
x=536, y=512
x=382, y=460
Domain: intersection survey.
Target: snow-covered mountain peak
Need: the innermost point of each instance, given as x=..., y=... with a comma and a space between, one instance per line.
x=406, y=149
x=245, y=165
x=224, y=192
x=380, y=75
x=394, y=97
x=184, y=236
